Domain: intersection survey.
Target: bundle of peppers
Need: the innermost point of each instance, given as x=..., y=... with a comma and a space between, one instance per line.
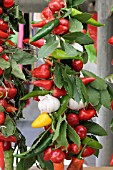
x=64, y=91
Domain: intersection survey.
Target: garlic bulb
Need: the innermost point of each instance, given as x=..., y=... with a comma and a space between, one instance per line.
x=73, y=105
x=48, y=104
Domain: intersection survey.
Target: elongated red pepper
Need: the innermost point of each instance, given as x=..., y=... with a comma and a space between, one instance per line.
x=40, y=24
x=46, y=84
x=59, y=92
x=10, y=109
x=111, y=161
x=86, y=114
x=2, y=164
x=76, y=164
x=3, y=35
x=88, y=80
x=42, y=72
x=47, y=13
x=9, y=139
x=38, y=43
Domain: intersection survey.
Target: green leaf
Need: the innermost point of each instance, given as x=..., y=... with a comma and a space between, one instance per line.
x=73, y=136
x=97, y=107
x=75, y=25
x=70, y=50
x=45, y=165
x=77, y=2
x=58, y=79
x=25, y=164
x=85, y=57
x=111, y=125
x=84, y=17
x=109, y=78
x=47, y=49
x=57, y=131
x=105, y=99
x=60, y=54
x=62, y=139
x=110, y=90
x=67, y=13
x=16, y=71
x=9, y=128
x=99, y=83
x=91, y=143
x=1, y=108
x=4, y=64
x=92, y=56
x=22, y=57
x=78, y=83
x=94, y=128
x=84, y=92
x=69, y=70
x=94, y=95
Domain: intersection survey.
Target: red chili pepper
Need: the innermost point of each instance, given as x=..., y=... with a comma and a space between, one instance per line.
x=3, y=25
x=47, y=154
x=1, y=72
x=8, y=3
x=47, y=13
x=58, y=166
x=77, y=65
x=3, y=35
x=54, y=6
x=2, y=164
x=2, y=42
x=87, y=80
x=84, y=31
x=40, y=24
x=57, y=156
x=10, y=31
x=50, y=130
x=46, y=84
x=81, y=131
x=75, y=149
x=88, y=152
x=62, y=27
x=42, y=72
x=11, y=43
x=72, y=119
x=111, y=161
x=7, y=145
x=2, y=92
x=2, y=118
x=86, y=114
x=110, y=41
x=1, y=11
x=112, y=105
x=5, y=57
x=36, y=99
x=76, y=164
x=58, y=92
x=9, y=139
x=9, y=108
x=1, y=49
x=11, y=93
x=3, y=102
x=38, y=43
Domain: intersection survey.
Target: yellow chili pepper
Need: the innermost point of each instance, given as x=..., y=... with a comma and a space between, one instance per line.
x=42, y=120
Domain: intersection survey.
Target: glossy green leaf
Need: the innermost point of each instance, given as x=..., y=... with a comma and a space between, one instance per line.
x=1, y=108
x=75, y=25
x=58, y=79
x=73, y=136
x=4, y=64
x=91, y=143
x=94, y=95
x=110, y=90
x=70, y=50
x=67, y=13
x=99, y=83
x=91, y=51
x=109, y=78
x=94, y=128
x=9, y=128
x=84, y=92
x=105, y=99
x=25, y=164
x=77, y=2
x=111, y=125
x=79, y=88
x=84, y=17
x=79, y=37
x=57, y=131
x=62, y=138
x=85, y=57
x=17, y=72
x=47, y=49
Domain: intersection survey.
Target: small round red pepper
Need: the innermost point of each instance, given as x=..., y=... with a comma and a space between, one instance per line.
x=3, y=102
x=86, y=114
x=57, y=156
x=47, y=13
x=1, y=72
x=47, y=154
x=77, y=65
x=1, y=11
x=81, y=131
x=11, y=92
x=72, y=119
x=2, y=118
x=88, y=152
x=54, y=6
x=8, y=3
x=3, y=25
x=42, y=72
x=58, y=92
x=75, y=149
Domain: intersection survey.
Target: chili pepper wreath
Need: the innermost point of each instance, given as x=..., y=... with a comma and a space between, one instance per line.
x=68, y=96
x=12, y=86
